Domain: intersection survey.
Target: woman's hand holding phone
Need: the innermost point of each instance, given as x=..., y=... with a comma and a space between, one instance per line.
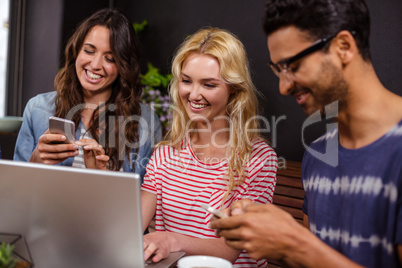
x=56, y=144
x=52, y=149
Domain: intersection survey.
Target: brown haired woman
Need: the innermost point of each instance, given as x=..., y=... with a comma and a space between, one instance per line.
x=99, y=90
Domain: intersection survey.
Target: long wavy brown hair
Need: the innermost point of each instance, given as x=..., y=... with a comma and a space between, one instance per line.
x=115, y=136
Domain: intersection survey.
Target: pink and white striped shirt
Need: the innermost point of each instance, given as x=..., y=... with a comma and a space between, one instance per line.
x=182, y=183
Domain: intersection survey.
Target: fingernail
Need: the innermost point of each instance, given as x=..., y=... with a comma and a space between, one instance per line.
x=236, y=211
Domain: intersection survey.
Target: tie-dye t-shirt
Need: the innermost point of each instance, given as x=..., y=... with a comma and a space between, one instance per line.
x=353, y=198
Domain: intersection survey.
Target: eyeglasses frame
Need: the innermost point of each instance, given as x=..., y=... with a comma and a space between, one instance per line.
x=283, y=65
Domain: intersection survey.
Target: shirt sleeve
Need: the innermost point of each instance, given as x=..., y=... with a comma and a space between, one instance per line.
x=150, y=134
x=25, y=143
x=398, y=221
x=149, y=183
x=303, y=176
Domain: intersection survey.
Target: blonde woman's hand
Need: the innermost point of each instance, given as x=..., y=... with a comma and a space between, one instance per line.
x=157, y=245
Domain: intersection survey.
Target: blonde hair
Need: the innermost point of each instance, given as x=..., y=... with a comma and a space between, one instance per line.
x=242, y=105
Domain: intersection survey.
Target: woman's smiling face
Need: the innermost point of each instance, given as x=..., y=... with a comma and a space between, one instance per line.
x=203, y=92
x=95, y=65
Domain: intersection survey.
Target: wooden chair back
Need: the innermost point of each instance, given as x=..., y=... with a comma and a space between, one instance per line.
x=289, y=194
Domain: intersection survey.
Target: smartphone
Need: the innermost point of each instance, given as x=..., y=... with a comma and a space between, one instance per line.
x=62, y=126
x=217, y=213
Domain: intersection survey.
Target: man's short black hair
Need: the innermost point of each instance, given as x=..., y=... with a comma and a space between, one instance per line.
x=321, y=18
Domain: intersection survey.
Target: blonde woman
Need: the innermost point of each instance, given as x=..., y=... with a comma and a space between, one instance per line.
x=214, y=154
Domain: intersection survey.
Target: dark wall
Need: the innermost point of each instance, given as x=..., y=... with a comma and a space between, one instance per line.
x=386, y=42
x=171, y=21
x=75, y=12
x=42, y=46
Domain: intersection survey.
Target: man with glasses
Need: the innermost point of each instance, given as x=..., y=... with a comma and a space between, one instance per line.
x=353, y=205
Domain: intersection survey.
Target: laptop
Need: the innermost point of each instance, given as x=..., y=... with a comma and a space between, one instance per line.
x=69, y=217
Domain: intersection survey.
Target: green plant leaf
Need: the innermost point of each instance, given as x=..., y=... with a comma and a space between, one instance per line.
x=153, y=78
x=154, y=86
x=139, y=27
x=6, y=258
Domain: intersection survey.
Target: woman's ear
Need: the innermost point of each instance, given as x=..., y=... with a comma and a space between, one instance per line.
x=346, y=47
x=232, y=90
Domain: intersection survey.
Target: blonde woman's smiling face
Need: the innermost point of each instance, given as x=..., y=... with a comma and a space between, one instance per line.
x=203, y=92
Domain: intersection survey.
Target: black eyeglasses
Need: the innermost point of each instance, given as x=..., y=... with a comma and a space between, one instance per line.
x=283, y=66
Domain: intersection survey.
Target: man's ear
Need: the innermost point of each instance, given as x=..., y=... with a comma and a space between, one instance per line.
x=346, y=46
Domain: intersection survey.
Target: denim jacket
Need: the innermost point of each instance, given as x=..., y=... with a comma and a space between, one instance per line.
x=35, y=123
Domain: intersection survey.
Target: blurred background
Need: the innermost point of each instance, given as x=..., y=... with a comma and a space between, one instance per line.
x=33, y=35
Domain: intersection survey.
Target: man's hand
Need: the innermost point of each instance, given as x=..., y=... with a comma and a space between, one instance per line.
x=264, y=231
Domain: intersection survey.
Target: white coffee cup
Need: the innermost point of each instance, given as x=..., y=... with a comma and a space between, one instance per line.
x=203, y=262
